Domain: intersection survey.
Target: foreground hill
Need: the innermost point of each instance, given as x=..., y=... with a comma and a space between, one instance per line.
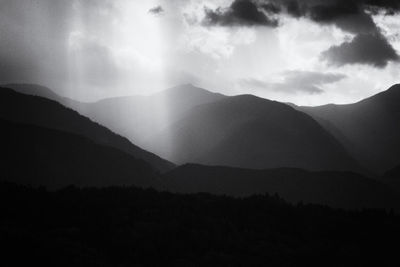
x=131, y=227
x=370, y=129
x=39, y=156
x=336, y=189
x=250, y=132
x=43, y=112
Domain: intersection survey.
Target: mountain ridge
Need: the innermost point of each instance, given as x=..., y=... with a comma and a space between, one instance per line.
x=370, y=127
x=245, y=119
x=40, y=111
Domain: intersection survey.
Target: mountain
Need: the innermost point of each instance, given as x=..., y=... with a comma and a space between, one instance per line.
x=140, y=118
x=46, y=113
x=369, y=129
x=336, y=189
x=190, y=124
x=40, y=156
x=35, y=90
x=250, y=132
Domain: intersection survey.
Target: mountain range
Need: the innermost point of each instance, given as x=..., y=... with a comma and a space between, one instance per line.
x=188, y=124
x=261, y=146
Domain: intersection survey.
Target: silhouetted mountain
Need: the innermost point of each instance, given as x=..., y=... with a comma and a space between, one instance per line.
x=370, y=129
x=39, y=156
x=336, y=189
x=251, y=132
x=50, y=114
x=139, y=118
x=35, y=90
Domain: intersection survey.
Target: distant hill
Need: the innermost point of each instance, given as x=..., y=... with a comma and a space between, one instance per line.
x=250, y=132
x=141, y=118
x=46, y=113
x=35, y=90
x=336, y=189
x=40, y=156
x=369, y=129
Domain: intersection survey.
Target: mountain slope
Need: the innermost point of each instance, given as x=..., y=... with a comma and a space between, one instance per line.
x=50, y=114
x=336, y=189
x=139, y=118
x=39, y=156
x=369, y=129
x=251, y=132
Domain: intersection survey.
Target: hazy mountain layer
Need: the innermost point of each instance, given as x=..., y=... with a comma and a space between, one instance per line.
x=251, y=132
x=50, y=114
x=141, y=118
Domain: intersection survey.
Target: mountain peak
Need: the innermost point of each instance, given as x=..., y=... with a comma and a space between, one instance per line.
x=394, y=88
x=390, y=95
x=185, y=89
x=33, y=89
x=189, y=91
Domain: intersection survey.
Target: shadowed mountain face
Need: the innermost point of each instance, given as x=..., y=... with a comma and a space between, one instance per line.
x=42, y=112
x=40, y=156
x=370, y=129
x=251, y=132
x=336, y=189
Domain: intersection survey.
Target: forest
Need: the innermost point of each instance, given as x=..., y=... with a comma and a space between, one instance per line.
x=129, y=226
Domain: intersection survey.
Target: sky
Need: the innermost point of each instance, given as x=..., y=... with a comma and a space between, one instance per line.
x=308, y=52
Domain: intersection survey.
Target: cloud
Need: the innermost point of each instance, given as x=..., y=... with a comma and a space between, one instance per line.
x=370, y=49
x=241, y=12
x=369, y=46
x=156, y=10
x=349, y=15
x=293, y=82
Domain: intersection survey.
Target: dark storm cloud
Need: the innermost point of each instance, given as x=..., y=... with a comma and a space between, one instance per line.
x=241, y=12
x=308, y=82
x=353, y=16
x=156, y=10
x=349, y=15
x=370, y=49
